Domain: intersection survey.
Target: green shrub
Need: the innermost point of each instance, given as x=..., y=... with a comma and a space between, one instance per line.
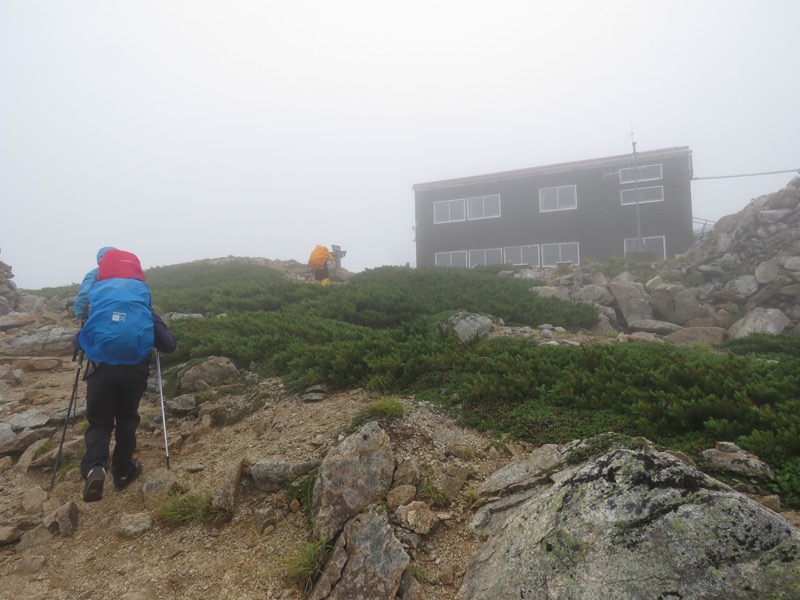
x=383, y=331
x=764, y=344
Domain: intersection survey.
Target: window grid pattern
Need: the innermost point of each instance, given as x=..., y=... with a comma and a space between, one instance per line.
x=490, y=256
x=656, y=244
x=645, y=173
x=646, y=194
x=552, y=254
x=483, y=207
x=563, y=197
x=451, y=259
x=448, y=211
x=522, y=255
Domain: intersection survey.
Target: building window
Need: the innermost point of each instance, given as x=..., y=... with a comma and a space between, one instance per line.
x=645, y=173
x=483, y=207
x=656, y=245
x=552, y=254
x=648, y=194
x=492, y=256
x=522, y=255
x=564, y=197
x=451, y=259
x=448, y=211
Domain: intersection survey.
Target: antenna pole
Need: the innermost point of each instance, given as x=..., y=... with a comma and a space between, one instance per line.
x=639, y=245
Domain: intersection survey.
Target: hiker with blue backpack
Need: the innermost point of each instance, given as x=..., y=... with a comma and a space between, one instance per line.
x=118, y=337
x=81, y=305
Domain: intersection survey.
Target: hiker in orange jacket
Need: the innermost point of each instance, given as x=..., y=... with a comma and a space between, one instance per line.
x=318, y=262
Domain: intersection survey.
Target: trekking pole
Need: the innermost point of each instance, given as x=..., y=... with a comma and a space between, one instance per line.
x=163, y=414
x=78, y=353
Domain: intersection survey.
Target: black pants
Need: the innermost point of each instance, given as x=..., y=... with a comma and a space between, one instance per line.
x=113, y=393
x=320, y=274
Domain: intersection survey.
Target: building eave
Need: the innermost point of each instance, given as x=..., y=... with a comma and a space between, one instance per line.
x=608, y=161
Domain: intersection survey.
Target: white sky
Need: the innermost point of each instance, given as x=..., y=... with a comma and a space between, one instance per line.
x=182, y=130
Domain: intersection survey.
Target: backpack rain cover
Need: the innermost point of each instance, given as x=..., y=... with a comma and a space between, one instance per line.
x=119, y=263
x=319, y=257
x=119, y=330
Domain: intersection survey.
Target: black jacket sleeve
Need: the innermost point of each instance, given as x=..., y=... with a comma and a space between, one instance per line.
x=164, y=341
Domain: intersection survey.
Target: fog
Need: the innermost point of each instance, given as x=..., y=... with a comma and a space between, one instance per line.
x=192, y=129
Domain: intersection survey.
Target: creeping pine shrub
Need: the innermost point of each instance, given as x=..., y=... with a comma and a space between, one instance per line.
x=787, y=482
x=764, y=344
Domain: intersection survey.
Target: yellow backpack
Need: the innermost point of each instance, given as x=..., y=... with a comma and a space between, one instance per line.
x=319, y=257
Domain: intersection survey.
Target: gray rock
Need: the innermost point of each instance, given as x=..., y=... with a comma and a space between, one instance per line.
x=727, y=456
x=708, y=336
x=158, y=486
x=272, y=474
x=593, y=293
x=181, y=406
x=467, y=326
x=417, y=516
x=50, y=340
x=760, y=320
x=367, y=562
x=8, y=535
x=767, y=272
x=792, y=264
x=227, y=495
x=653, y=326
x=31, y=418
x=63, y=520
x=6, y=433
x=134, y=525
x=35, y=537
x=674, y=303
x=633, y=301
x=351, y=477
x=644, y=524
x=212, y=371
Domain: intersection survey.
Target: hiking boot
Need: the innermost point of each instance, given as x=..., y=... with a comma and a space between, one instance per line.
x=93, y=487
x=122, y=482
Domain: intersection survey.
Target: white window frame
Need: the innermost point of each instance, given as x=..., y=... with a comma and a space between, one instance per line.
x=632, y=192
x=440, y=260
x=646, y=173
x=521, y=249
x=628, y=242
x=558, y=189
x=450, y=210
x=561, y=248
x=473, y=200
x=474, y=261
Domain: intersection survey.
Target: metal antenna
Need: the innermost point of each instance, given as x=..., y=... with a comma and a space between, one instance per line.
x=639, y=245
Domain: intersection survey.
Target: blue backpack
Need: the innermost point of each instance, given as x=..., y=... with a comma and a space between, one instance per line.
x=119, y=330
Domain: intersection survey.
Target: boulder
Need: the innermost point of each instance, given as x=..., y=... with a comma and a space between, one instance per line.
x=760, y=320
x=367, y=562
x=637, y=523
x=352, y=476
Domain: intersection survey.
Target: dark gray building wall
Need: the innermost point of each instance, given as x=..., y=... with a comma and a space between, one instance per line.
x=600, y=224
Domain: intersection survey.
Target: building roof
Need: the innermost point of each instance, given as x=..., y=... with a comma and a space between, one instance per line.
x=608, y=161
